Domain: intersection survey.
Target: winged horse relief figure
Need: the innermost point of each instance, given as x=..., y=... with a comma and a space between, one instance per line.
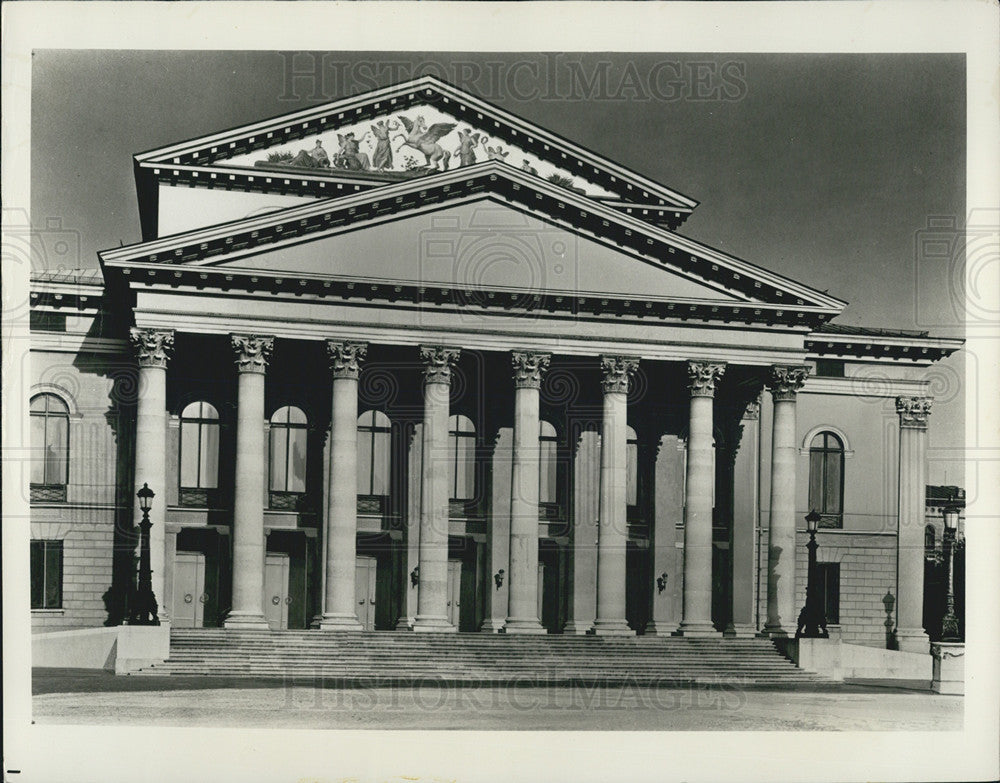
x=425, y=140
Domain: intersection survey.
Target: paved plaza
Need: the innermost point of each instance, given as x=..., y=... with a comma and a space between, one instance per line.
x=94, y=697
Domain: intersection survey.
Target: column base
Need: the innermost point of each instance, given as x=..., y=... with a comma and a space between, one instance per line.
x=654, y=628
x=611, y=628
x=740, y=631
x=528, y=625
x=913, y=640
x=340, y=622
x=433, y=625
x=578, y=627
x=777, y=632
x=491, y=625
x=246, y=621
x=404, y=624
x=698, y=629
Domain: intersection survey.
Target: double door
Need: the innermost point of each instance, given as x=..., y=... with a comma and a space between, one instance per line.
x=189, y=593
x=277, y=598
x=365, y=581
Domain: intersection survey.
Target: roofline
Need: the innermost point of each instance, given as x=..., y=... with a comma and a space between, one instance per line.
x=491, y=170
x=426, y=82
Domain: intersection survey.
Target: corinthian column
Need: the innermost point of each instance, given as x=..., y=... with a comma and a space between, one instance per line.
x=784, y=385
x=341, y=532
x=432, y=587
x=523, y=601
x=612, y=531
x=913, y=413
x=252, y=353
x=153, y=348
x=697, y=618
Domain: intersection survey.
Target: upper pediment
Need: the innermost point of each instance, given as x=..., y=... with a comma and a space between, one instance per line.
x=407, y=131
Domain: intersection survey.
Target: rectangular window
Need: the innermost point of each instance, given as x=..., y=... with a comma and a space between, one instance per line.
x=46, y=574
x=829, y=583
x=830, y=368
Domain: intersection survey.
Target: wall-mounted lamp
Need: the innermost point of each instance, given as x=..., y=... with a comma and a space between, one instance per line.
x=498, y=578
x=415, y=577
x=661, y=582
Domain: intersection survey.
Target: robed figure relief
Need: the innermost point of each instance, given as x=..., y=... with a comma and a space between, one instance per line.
x=349, y=156
x=467, y=143
x=382, y=157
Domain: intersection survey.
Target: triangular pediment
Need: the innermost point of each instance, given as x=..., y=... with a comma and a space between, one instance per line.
x=436, y=127
x=507, y=222
x=476, y=246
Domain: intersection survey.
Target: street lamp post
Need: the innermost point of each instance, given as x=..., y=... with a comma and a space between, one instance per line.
x=949, y=623
x=144, y=608
x=812, y=619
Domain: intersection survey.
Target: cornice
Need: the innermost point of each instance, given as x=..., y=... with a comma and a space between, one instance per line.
x=923, y=350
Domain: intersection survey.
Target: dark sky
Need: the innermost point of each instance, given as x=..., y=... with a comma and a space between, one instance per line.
x=823, y=168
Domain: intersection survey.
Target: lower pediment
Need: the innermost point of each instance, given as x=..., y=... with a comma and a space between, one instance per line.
x=476, y=245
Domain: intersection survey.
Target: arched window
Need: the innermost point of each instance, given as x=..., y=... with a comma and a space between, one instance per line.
x=288, y=456
x=50, y=436
x=199, y=453
x=462, y=449
x=373, y=454
x=826, y=478
x=631, y=467
x=548, y=443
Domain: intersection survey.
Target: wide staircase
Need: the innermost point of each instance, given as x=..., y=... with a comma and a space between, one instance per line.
x=399, y=657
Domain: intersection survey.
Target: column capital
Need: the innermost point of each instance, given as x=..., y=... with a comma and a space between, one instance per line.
x=702, y=377
x=913, y=411
x=346, y=358
x=617, y=371
x=252, y=351
x=438, y=361
x=529, y=367
x=152, y=346
x=786, y=380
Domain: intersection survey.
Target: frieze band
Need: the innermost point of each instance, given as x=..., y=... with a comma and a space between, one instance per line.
x=786, y=380
x=438, y=361
x=529, y=368
x=702, y=377
x=346, y=358
x=153, y=347
x=617, y=371
x=913, y=411
x=252, y=351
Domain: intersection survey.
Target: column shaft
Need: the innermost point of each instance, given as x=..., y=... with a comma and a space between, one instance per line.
x=913, y=413
x=612, y=523
x=523, y=601
x=743, y=540
x=153, y=349
x=781, y=613
x=698, y=488
x=339, y=608
x=248, y=508
x=432, y=588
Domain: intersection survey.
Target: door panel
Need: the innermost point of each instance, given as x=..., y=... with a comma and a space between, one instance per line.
x=365, y=572
x=276, y=597
x=189, y=595
x=454, y=592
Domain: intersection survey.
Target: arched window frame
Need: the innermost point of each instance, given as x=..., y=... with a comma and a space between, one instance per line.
x=461, y=446
x=823, y=490
x=285, y=494
x=204, y=418
x=631, y=467
x=374, y=460
x=51, y=469
x=548, y=467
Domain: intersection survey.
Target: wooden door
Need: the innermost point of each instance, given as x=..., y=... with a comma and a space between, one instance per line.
x=365, y=573
x=188, y=606
x=276, y=597
x=454, y=592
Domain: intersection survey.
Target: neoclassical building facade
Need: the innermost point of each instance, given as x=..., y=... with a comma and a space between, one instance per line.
x=475, y=381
